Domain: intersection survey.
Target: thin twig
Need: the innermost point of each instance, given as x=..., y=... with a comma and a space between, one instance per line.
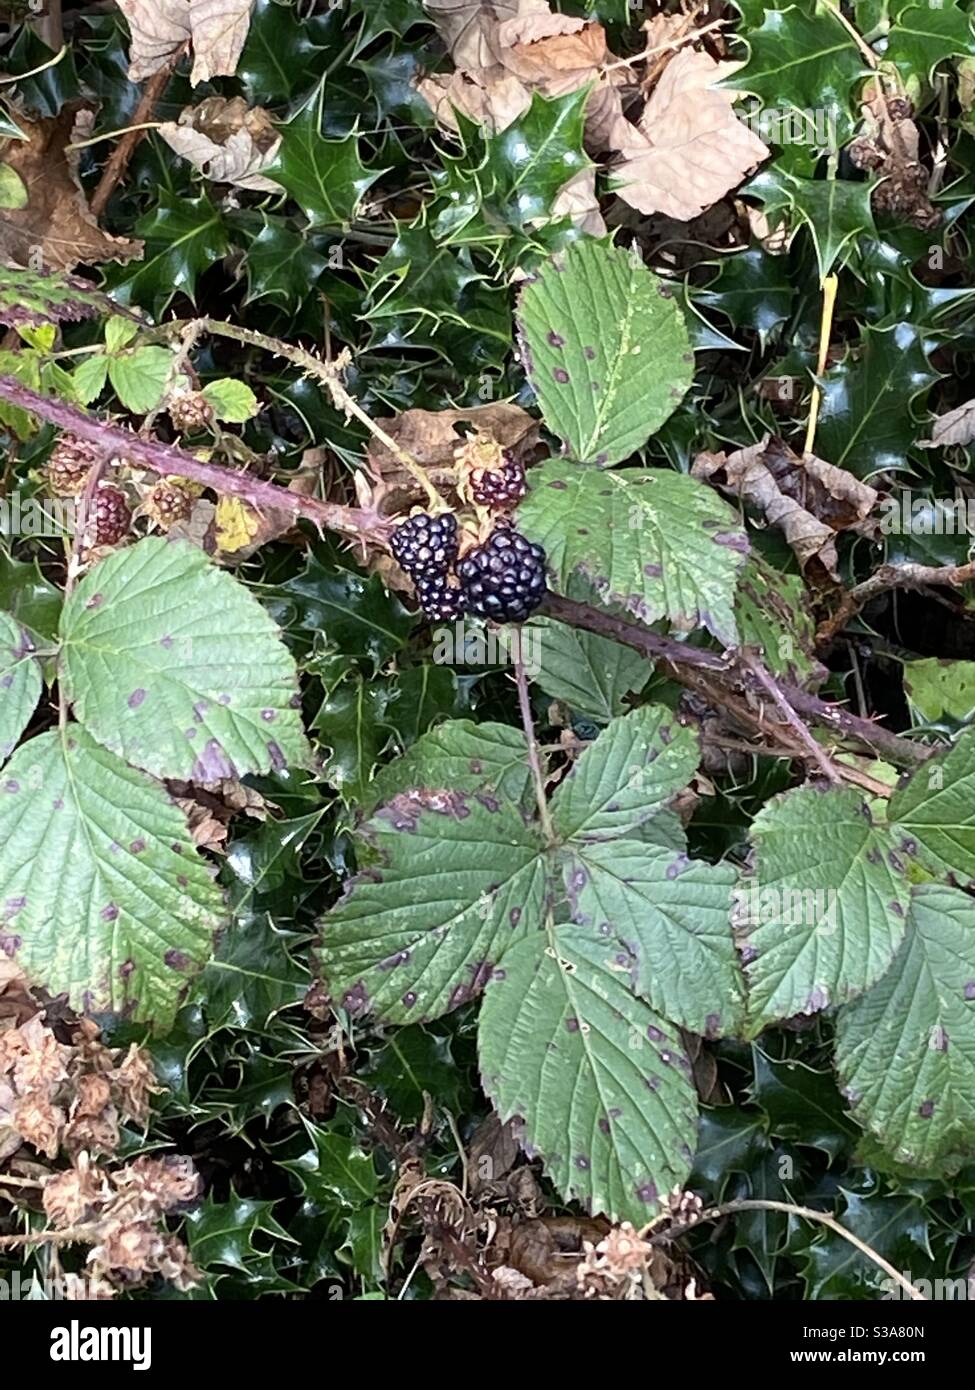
x=888, y=577
x=118, y=160
x=524, y=704
x=790, y=1209
x=857, y=38
x=84, y=514
x=767, y=682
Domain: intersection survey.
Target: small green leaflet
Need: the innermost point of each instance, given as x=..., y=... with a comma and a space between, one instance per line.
x=905, y=1051
x=463, y=756
x=105, y=897
x=231, y=401
x=657, y=543
x=464, y=896
x=171, y=663
x=937, y=688
x=589, y=673
x=605, y=348
x=20, y=683
x=773, y=614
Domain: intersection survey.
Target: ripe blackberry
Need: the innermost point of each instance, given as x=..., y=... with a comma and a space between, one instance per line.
x=110, y=517
x=439, y=600
x=504, y=578
x=69, y=464
x=425, y=545
x=499, y=487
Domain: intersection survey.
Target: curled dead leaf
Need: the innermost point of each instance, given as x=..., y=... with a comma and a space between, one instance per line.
x=954, y=427
x=808, y=500
x=227, y=141
x=216, y=28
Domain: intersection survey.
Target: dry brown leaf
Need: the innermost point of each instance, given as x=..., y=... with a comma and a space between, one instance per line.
x=689, y=147
x=217, y=28
x=810, y=501
x=56, y=225
x=430, y=437
x=469, y=28
x=495, y=100
x=578, y=200
x=889, y=146
x=955, y=427
x=227, y=141
x=540, y=48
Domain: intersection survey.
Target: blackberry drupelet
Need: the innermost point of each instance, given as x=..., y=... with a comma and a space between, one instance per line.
x=504, y=578
x=110, y=517
x=439, y=599
x=499, y=487
x=426, y=546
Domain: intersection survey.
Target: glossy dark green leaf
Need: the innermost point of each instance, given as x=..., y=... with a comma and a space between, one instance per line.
x=326, y=178
x=183, y=237
x=286, y=51
x=802, y=1104
x=834, y=210
x=282, y=265
x=357, y=616
x=335, y=1171
x=753, y=289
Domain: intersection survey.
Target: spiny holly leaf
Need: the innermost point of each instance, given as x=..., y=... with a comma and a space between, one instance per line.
x=20, y=683
x=599, y=1084
x=905, y=1050
x=420, y=696
x=350, y=722
x=826, y=906
x=753, y=289
x=935, y=811
x=835, y=211
x=105, y=897
x=591, y=674
x=223, y=1234
x=773, y=614
x=923, y=35
x=459, y=756
x=183, y=237
x=420, y=277
x=801, y=1105
x=657, y=543
x=281, y=265
x=26, y=296
x=802, y=59
x=335, y=1171
x=28, y=596
x=286, y=53
x=171, y=663
x=866, y=423
x=605, y=348
x=362, y=618
x=326, y=178
x=422, y=933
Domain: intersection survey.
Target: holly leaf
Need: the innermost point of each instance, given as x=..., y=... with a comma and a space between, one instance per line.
x=605, y=349
x=281, y=265
x=106, y=899
x=921, y=36
x=183, y=237
x=801, y=59
x=905, y=1050
x=597, y=1084
x=834, y=210
x=174, y=665
x=326, y=178
x=285, y=53
x=825, y=909
x=20, y=683
x=866, y=423
x=657, y=543
x=753, y=289
x=350, y=722
x=361, y=617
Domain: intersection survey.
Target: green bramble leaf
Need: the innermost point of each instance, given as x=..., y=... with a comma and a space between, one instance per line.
x=231, y=401
x=20, y=683
x=657, y=543
x=605, y=349
x=905, y=1050
x=773, y=614
x=27, y=296
x=172, y=664
x=13, y=193
x=106, y=899
x=935, y=813
x=139, y=378
x=937, y=688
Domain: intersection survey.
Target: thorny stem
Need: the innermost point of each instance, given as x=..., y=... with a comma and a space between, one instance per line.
x=166, y=459
x=330, y=374
x=524, y=704
x=806, y=1213
x=85, y=514
x=887, y=577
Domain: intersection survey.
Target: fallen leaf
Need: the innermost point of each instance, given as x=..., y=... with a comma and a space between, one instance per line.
x=217, y=29
x=689, y=148
x=808, y=500
x=469, y=28
x=430, y=436
x=578, y=200
x=227, y=141
x=955, y=427
x=493, y=101
x=56, y=224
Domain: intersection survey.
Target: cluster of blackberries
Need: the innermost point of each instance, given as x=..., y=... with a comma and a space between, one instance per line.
x=503, y=579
